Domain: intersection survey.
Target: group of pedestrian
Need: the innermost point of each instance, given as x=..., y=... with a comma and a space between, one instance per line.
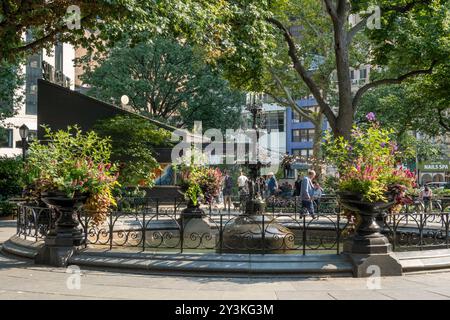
x=306, y=188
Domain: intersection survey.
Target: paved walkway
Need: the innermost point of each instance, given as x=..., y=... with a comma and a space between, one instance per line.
x=23, y=280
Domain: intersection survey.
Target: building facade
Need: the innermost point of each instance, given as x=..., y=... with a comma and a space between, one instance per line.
x=300, y=131
x=56, y=67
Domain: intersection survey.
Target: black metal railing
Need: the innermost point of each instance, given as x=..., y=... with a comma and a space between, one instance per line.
x=145, y=224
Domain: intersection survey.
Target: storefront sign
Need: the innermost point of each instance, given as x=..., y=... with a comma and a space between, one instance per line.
x=435, y=166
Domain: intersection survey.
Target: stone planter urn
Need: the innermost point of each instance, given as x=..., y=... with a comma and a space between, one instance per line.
x=61, y=242
x=369, y=249
x=192, y=211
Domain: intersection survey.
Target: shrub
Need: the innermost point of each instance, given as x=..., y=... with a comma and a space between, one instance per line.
x=133, y=141
x=74, y=163
x=367, y=162
x=11, y=183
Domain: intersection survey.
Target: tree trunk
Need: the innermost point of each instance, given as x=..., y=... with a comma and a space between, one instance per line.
x=317, y=144
x=344, y=121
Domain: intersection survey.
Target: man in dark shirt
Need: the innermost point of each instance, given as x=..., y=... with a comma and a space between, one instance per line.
x=227, y=186
x=298, y=186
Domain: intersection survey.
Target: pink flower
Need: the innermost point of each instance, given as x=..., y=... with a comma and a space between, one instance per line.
x=371, y=116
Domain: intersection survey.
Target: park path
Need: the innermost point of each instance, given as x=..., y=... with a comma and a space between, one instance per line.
x=20, y=279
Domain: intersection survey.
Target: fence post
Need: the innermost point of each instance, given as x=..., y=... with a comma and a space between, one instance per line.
x=221, y=234
x=421, y=232
x=36, y=219
x=25, y=223
x=175, y=207
x=86, y=221
x=111, y=229
x=157, y=209
x=304, y=234
x=446, y=229
x=394, y=233
x=19, y=213
x=295, y=207
x=263, y=235
x=144, y=228
x=338, y=235
x=181, y=234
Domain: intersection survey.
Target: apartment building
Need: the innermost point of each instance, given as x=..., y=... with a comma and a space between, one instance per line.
x=57, y=67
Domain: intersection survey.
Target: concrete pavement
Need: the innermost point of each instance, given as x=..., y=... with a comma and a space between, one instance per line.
x=21, y=279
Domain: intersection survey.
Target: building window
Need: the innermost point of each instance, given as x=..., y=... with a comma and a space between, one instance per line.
x=274, y=121
x=297, y=117
x=307, y=153
x=303, y=135
x=352, y=74
x=32, y=75
x=59, y=57
x=363, y=73
x=6, y=138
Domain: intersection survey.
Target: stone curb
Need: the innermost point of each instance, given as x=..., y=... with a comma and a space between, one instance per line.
x=270, y=264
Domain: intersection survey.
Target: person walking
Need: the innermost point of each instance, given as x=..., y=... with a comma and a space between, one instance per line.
x=318, y=191
x=298, y=186
x=262, y=187
x=242, y=182
x=227, y=187
x=425, y=195
x=272, y=184
x=307, y=192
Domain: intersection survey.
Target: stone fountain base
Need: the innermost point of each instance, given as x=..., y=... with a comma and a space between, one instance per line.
x=256, y=234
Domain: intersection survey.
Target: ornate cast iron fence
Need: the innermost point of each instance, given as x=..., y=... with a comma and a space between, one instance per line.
x=145, y=224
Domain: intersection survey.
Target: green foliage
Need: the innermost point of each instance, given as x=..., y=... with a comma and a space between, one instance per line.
x=133, y=140
x=7, y=208
x=414, y=36
x=442, y=192
x=200, y=181
x=11, y=183
x=192, y=175
x=74, y=163
x=11, y=79
x=366, y=162
x=166, y=81
x=194, y=193
x=47, y=22
x=330, y=184
x=417, y=105
x=11, y=177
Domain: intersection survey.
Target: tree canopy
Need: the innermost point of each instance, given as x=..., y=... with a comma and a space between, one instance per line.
x=412, y=40
x=167, y=81
x=11, y=79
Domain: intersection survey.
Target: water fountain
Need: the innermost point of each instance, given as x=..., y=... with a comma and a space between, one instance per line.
x=253, y=230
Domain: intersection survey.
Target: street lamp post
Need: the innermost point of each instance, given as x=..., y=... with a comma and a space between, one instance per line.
x=24, y=131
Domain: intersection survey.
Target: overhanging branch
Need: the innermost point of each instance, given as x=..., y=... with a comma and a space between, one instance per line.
x=290, y=101
x=49, y=37
x=356, y=28
x=300, y=69
x=331, y=9
x=381, y=82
